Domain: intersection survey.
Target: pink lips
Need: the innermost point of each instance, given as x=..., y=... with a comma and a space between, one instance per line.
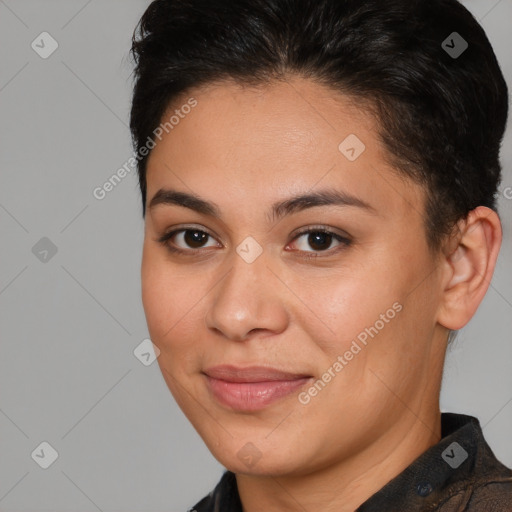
x=251, y=388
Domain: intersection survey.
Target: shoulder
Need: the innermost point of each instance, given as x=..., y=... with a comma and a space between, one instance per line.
x=493, y=495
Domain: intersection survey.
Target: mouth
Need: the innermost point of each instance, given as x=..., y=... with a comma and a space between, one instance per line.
x=251, y=388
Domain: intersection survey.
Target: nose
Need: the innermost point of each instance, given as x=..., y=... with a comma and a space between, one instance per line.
x=248, y=301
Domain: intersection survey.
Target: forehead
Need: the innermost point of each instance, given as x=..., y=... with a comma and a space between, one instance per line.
x=296, y=113
x=254, y=142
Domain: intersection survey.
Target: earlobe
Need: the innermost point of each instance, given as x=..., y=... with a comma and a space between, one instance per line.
x=469, y=266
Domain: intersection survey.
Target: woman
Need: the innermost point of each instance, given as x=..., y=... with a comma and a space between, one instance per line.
x=318, y=185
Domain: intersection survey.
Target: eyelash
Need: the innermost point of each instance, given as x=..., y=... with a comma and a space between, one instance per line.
x=344, y=242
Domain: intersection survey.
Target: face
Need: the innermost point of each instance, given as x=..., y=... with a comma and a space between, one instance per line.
x=334, y=301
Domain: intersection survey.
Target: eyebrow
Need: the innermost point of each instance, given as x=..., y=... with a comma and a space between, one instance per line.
x=326, y=197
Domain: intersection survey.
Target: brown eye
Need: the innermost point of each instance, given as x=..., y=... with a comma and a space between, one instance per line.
x=184, y=240
x=194, y=238
x=320, y=240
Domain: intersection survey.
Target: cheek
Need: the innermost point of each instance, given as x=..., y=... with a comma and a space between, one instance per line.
x=351, y=302
x=154, y=296
x=173, y=309
x=373, y=303
x=160, y=296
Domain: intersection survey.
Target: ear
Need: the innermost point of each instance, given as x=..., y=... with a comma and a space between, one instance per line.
x=468, y=265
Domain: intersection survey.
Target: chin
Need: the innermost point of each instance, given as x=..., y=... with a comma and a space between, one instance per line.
x=253, y=458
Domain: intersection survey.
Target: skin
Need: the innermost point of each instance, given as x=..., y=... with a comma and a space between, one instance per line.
x=244, y=149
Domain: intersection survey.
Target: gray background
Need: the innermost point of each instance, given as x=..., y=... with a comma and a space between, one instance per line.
x=70, y=324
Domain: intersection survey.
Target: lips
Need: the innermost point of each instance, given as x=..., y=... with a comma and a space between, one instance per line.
x=252, y=388
x=251, y=374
